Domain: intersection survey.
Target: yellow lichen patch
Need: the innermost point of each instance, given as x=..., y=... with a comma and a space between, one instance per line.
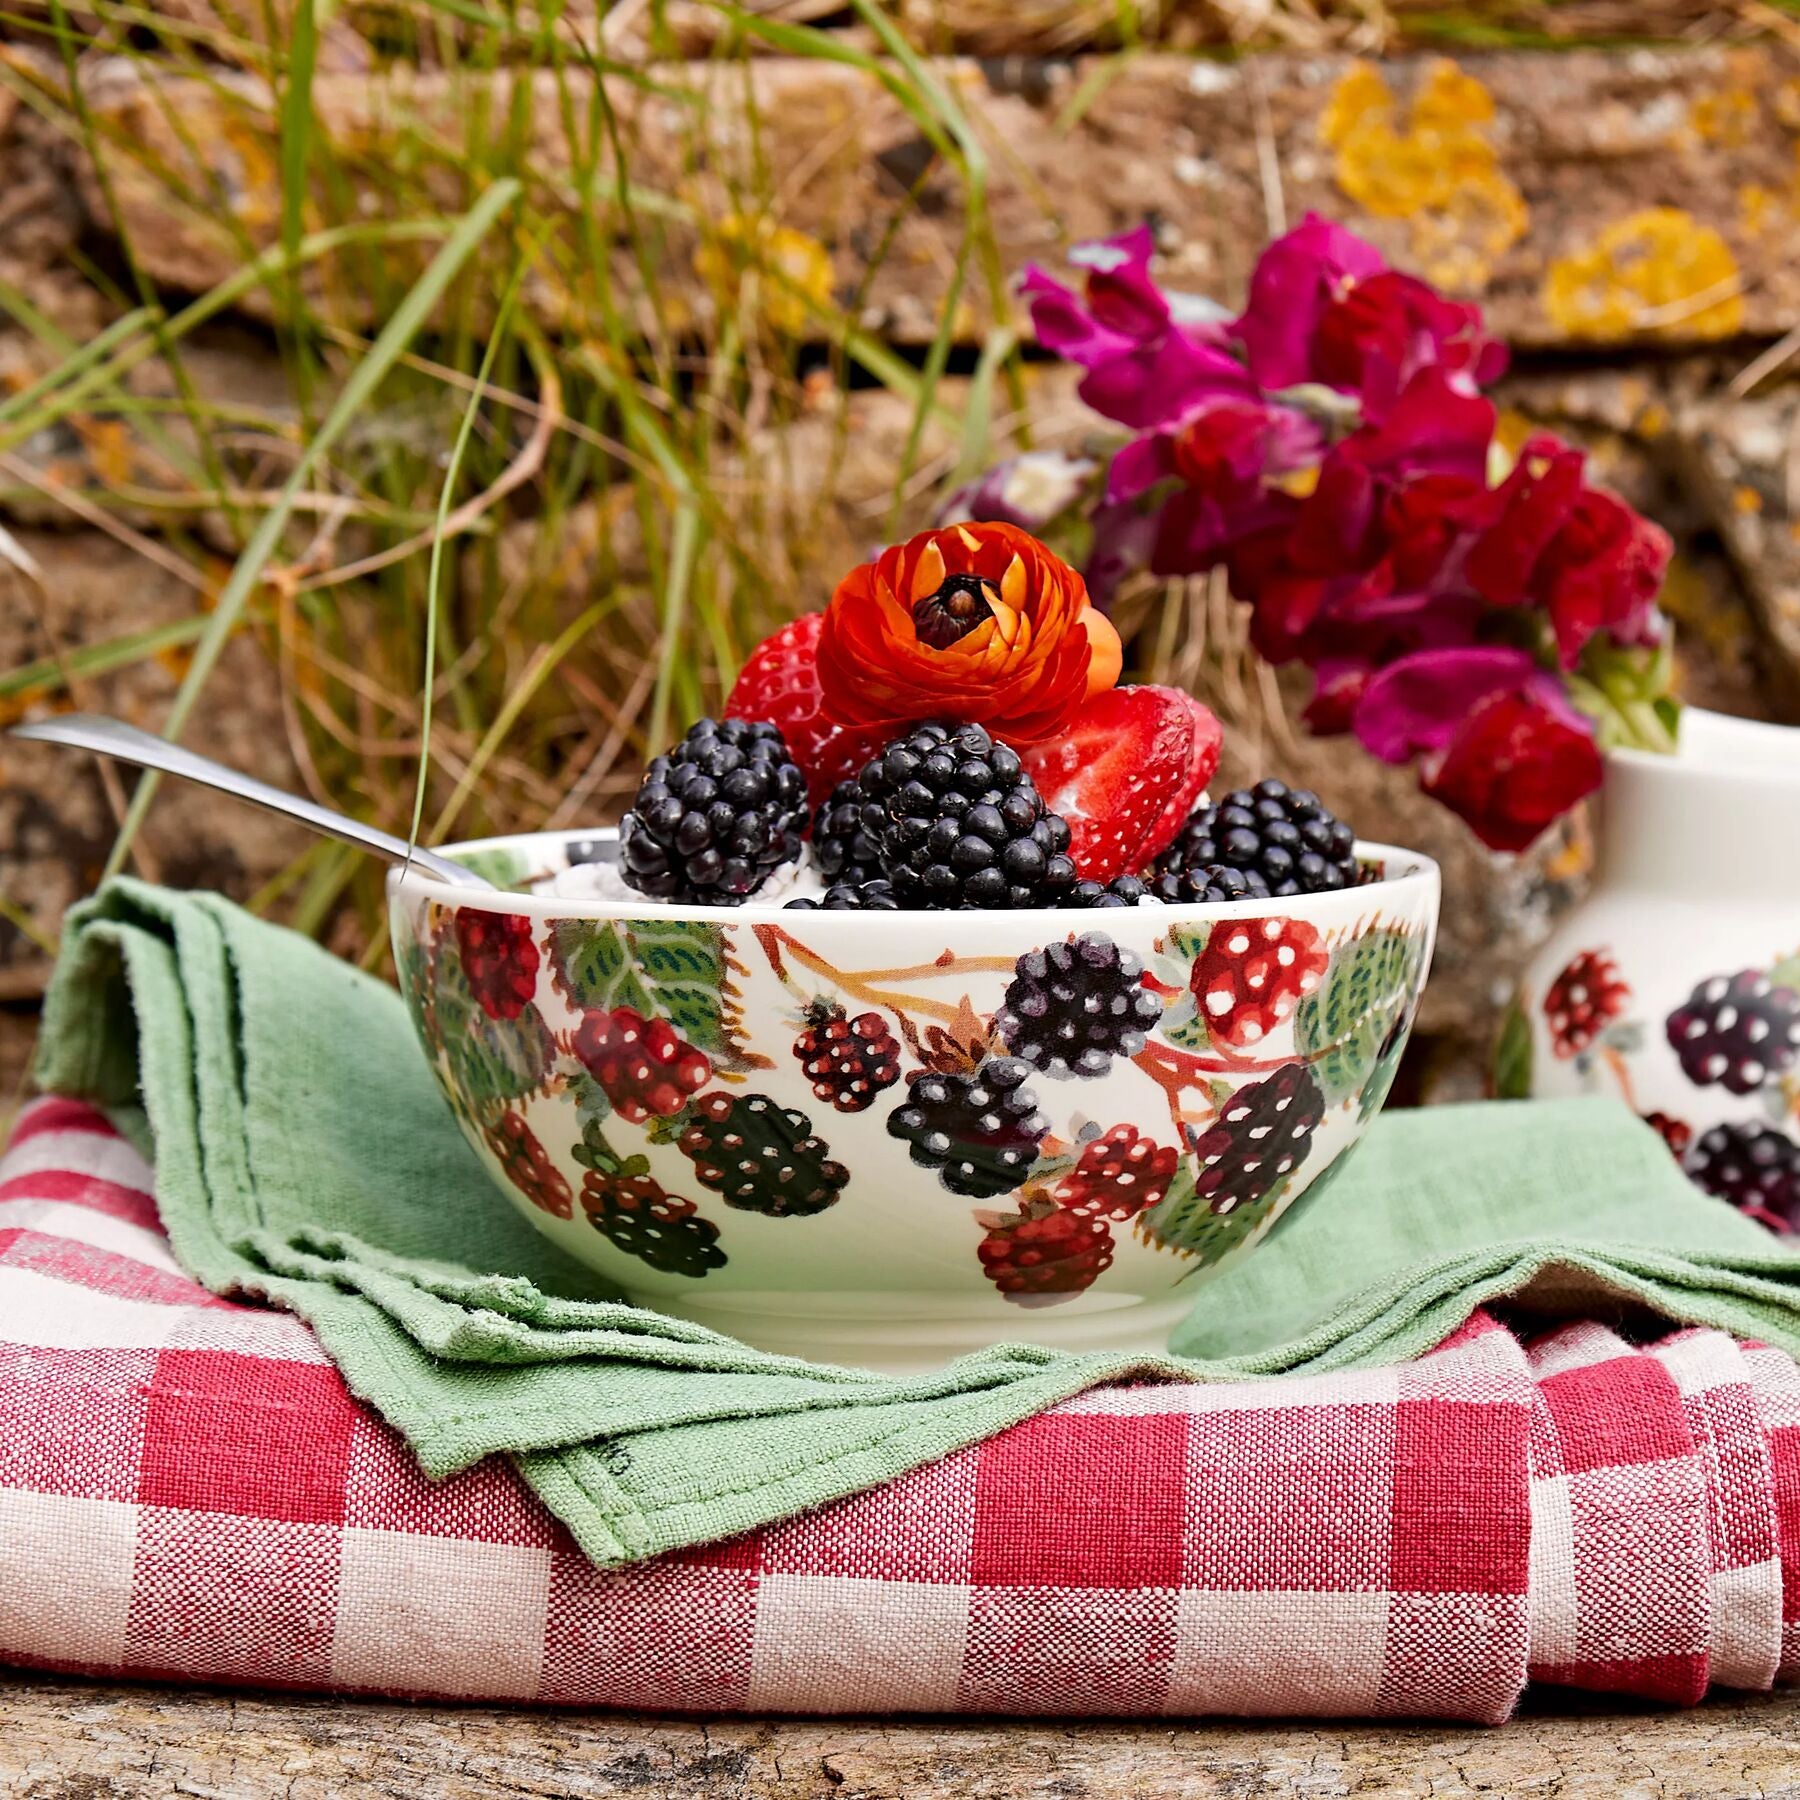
x=1726, y=118
x=1763, y=211
x=1436, y=169
x=1658, y=272
x=792, y=270
x=1746, y=500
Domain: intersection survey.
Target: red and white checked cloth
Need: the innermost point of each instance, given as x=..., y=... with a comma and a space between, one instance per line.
x=187, y=1490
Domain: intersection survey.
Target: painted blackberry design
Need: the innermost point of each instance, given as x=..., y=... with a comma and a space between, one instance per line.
x=1738, y=1031
x=1252, y=974
x=1117, y=1176
x=644, y=1065
x=848, y=1061
x=636, y=1215
x=1045, y=1253
x=1072, y=1007
x=761, y=1157
x=1754, y=1167
x=1262, y=1135
x=1678, y=1134
x=1582, y=1001
x=499, y=959
x=980, y=1131
x=528, y=1166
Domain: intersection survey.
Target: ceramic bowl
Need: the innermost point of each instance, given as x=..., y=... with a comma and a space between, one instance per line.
x=858, y=1137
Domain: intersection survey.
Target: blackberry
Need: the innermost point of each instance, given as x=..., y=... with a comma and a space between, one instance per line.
x=1283, y=834
x=1122, y=890
x=957, y=822
x=1754, y=1167
x=871, y=896
x=762, y=1157
x=1582, y=1001
x=1262, y=1134
x=716, y=816
x=634, y=1213
x=848, y=1061
x=499, y=959
x=842, y=852
x=1206, y=885
x=1740, y=1031
x=1072, y=1007
x=1045, y=1255
x=979, y=1131
x=528, y=1167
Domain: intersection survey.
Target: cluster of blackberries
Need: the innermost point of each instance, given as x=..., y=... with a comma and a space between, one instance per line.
x=944, y=818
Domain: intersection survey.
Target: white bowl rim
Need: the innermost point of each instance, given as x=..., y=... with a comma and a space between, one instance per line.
x=1416, y=873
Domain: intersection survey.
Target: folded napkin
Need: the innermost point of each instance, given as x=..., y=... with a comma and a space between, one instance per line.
x=188, y=1490
x=304, y=1155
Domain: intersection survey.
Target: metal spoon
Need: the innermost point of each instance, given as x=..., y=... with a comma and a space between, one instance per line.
x=125, y=743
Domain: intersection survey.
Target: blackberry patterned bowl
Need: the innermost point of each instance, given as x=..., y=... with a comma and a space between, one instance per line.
x=890, y=1138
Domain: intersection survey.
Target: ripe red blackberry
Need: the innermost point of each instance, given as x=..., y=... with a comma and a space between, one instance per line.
x=1118, y=1176
x=1283, y=834
x=1754, y=1167
x=1262, y=1134
x=980, y=1131
x=842, y=852
x=634, y=1213
x=1676, y=1133
x=762, y=1157
x=1740, y=1031
x=848, y=1061
x=957, y=822
x=716, y=816
x=872, y=896
x=1206, y=884
x=1251, y=974
x=645, y=1066
x=1122, y=890
x=1072, y=1007
x=527, y=1166
x=1046, y=1254
x=1582, y=1001
x=499, y=959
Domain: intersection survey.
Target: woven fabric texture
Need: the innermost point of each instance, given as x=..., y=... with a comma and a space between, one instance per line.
x=188, y=1490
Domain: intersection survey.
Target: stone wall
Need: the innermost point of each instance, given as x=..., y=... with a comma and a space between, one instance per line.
x=1628, y=217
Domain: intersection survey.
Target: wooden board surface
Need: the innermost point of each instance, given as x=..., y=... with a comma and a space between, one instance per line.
x=76, y=1741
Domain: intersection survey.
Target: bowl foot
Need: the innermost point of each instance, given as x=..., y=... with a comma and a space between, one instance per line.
x=885, y=1335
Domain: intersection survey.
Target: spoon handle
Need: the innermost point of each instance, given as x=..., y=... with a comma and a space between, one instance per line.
x=125, y=743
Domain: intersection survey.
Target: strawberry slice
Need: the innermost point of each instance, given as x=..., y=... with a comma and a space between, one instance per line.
x=780, y=683
x=1127, y=763
x=1202, y=761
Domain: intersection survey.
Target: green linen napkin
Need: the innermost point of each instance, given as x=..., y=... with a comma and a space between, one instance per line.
x=304, y=1154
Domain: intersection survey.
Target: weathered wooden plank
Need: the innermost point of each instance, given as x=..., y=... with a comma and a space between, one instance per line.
x=1587, y=197
x=64, y=1740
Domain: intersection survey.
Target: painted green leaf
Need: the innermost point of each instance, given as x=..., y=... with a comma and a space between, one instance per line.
x=1343, y=1027
x=683, y=962
x=491, y=1060
x=590, y=1098
x=586, y=958
x=504, y=868
x=1512, y=1055
x=1182, y=1024
x=1187, y=941
x=1786, y=973
x=1183, y=1222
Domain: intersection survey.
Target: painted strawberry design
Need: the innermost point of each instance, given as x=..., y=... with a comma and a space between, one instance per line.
x=1117, y=1176
x=499, y=958
x=528, y=1167
x=1582, y=1001
x=1253, y=973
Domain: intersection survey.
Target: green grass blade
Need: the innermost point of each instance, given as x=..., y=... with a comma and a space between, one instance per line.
x=395, y=335
x=296, y=159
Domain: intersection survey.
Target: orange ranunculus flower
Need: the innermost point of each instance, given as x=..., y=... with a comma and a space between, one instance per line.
x=973, y=622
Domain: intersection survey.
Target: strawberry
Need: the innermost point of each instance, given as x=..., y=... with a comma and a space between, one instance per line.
x=1128, y=764
x=1202, y=761
x=780, y=683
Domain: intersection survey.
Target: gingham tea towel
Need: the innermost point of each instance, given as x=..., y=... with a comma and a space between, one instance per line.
x=188, y=1490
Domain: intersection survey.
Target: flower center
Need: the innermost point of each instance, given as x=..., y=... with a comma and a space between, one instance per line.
x=953, y=611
